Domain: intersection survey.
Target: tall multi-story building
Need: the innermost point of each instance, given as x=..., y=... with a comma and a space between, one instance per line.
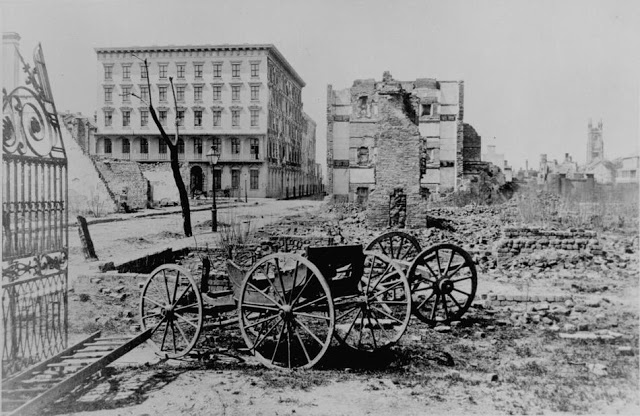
x=356, y=127
x=244, y=100
x=595, y=143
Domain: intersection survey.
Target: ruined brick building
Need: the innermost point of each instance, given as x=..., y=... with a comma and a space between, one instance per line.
x=396, y=140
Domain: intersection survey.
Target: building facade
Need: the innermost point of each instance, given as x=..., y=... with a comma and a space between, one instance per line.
x=629, y=170
x=356, y=125
x=243, y=100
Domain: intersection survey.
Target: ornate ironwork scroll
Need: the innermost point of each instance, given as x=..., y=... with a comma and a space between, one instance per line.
x=34, y=222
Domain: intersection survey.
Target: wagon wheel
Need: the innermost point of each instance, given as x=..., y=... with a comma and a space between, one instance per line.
x=379, y=314
x=443, y=283
x=286, y=311
x=171, y=304
x=396, y=244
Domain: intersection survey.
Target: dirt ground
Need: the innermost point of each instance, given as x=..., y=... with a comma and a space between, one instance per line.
x=574, y=357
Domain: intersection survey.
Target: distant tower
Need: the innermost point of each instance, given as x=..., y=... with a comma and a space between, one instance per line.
x=595, y=144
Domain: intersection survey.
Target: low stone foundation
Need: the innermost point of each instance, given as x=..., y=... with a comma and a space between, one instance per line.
x=522, y=240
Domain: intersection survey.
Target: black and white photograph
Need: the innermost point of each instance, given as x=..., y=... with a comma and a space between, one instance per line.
x=322, y=208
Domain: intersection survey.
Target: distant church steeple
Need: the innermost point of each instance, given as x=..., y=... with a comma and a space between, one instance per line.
x=595, y=143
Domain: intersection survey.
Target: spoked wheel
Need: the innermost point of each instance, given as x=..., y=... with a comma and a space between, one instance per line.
x=443, y=283
x=172, y=306
x=396, y=244
x=379, y=314
x=286, y=311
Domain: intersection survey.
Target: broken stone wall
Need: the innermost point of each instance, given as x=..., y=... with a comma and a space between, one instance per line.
x=125, y=181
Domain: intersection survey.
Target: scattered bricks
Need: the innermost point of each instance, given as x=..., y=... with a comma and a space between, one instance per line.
x=134, y=328
x=119, y=289
x=625, y=351
x=95, y=280
x=443, y=328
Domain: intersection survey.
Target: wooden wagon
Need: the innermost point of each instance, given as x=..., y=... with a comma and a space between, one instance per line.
x=289, y=306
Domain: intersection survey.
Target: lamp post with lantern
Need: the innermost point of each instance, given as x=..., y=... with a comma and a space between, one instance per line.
x=213, y=155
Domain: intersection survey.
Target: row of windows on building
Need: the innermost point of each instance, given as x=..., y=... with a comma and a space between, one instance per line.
x=181, y=70
x=127, y=93
x=254, y=146
x=254, y=115
x=281, y=82
x=254, y=179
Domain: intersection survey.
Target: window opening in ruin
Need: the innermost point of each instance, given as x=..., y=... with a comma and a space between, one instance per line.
x=144, y=146
x=362, y=105
x=363, y=156
x=126, y=146
x=426, y=110
x=107, y=145
x=362, y=195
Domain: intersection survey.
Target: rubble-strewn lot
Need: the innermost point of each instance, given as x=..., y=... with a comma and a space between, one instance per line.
x=550, y=331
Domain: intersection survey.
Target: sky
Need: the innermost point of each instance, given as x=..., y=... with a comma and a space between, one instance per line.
x=534, y=71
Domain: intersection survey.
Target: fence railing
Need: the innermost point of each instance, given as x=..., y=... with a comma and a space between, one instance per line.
x=34, y=318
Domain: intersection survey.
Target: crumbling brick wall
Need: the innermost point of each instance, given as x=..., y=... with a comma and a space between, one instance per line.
x=124, y=177
x=399, y=170
x=524, y=240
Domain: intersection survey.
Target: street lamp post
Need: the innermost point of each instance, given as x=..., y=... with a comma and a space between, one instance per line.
x=213, y=155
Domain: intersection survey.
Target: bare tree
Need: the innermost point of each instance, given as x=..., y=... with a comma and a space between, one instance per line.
x=172, y=145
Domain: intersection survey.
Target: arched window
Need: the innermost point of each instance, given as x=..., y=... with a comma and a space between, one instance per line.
x=126, y=146
x=363, y=155
x=107, y=146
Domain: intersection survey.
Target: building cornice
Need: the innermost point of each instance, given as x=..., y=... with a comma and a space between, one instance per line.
x=205, y=48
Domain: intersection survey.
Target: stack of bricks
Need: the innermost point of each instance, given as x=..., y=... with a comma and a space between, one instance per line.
x=503, y=300
x=522, y=240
